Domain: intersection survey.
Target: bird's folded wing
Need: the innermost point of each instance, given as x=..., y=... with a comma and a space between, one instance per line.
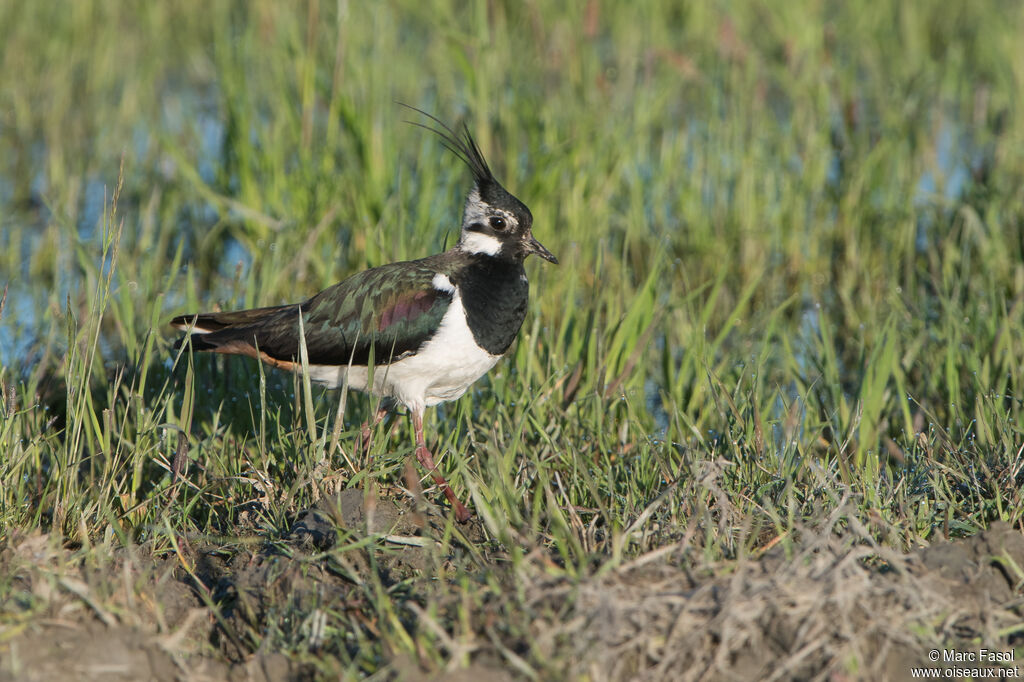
x=385, y=313
x=389, y=312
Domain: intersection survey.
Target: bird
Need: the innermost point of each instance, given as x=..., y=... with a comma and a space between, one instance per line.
x=418, y=332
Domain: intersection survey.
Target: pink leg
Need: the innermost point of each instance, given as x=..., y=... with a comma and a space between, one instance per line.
x=427, y=460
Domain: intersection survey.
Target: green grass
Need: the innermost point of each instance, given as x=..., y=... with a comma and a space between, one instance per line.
x=791, y=280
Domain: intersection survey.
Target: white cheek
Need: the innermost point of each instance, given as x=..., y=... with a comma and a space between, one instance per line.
x=474, y=242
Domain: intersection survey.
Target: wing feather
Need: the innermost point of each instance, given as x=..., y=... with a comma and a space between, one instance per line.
x=386, y=312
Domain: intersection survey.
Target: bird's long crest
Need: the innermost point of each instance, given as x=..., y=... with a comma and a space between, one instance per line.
x=461, y=144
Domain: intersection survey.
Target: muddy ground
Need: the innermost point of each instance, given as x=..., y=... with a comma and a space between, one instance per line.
x=306, y=605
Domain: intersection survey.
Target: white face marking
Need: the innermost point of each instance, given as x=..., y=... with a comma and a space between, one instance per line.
x=442, y=283
x=476, y=242
x=479, y=211
x=476, y=209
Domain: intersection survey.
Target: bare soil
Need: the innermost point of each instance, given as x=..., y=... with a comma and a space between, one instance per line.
x=829, y=606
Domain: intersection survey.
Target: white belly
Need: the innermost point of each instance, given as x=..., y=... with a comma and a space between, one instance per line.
x=442, y=370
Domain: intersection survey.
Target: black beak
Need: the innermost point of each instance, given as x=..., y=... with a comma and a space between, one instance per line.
x=534, y=246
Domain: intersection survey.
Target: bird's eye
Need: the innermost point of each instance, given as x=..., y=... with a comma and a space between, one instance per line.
x=497, y=223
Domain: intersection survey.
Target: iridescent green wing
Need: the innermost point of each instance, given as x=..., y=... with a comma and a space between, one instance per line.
x=389, y=312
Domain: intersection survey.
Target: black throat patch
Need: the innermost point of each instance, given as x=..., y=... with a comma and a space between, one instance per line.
x=494, y=293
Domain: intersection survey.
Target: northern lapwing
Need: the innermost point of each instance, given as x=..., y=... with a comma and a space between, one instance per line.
x=429, y=327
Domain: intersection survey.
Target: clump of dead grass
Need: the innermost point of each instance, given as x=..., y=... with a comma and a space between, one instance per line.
x=833, y=604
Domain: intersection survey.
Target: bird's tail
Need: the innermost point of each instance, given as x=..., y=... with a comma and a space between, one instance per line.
x=220, y=332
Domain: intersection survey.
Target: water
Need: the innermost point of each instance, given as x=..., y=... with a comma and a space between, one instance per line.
x=19, y=326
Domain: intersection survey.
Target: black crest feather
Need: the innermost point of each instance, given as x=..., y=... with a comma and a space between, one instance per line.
x=461, y=144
